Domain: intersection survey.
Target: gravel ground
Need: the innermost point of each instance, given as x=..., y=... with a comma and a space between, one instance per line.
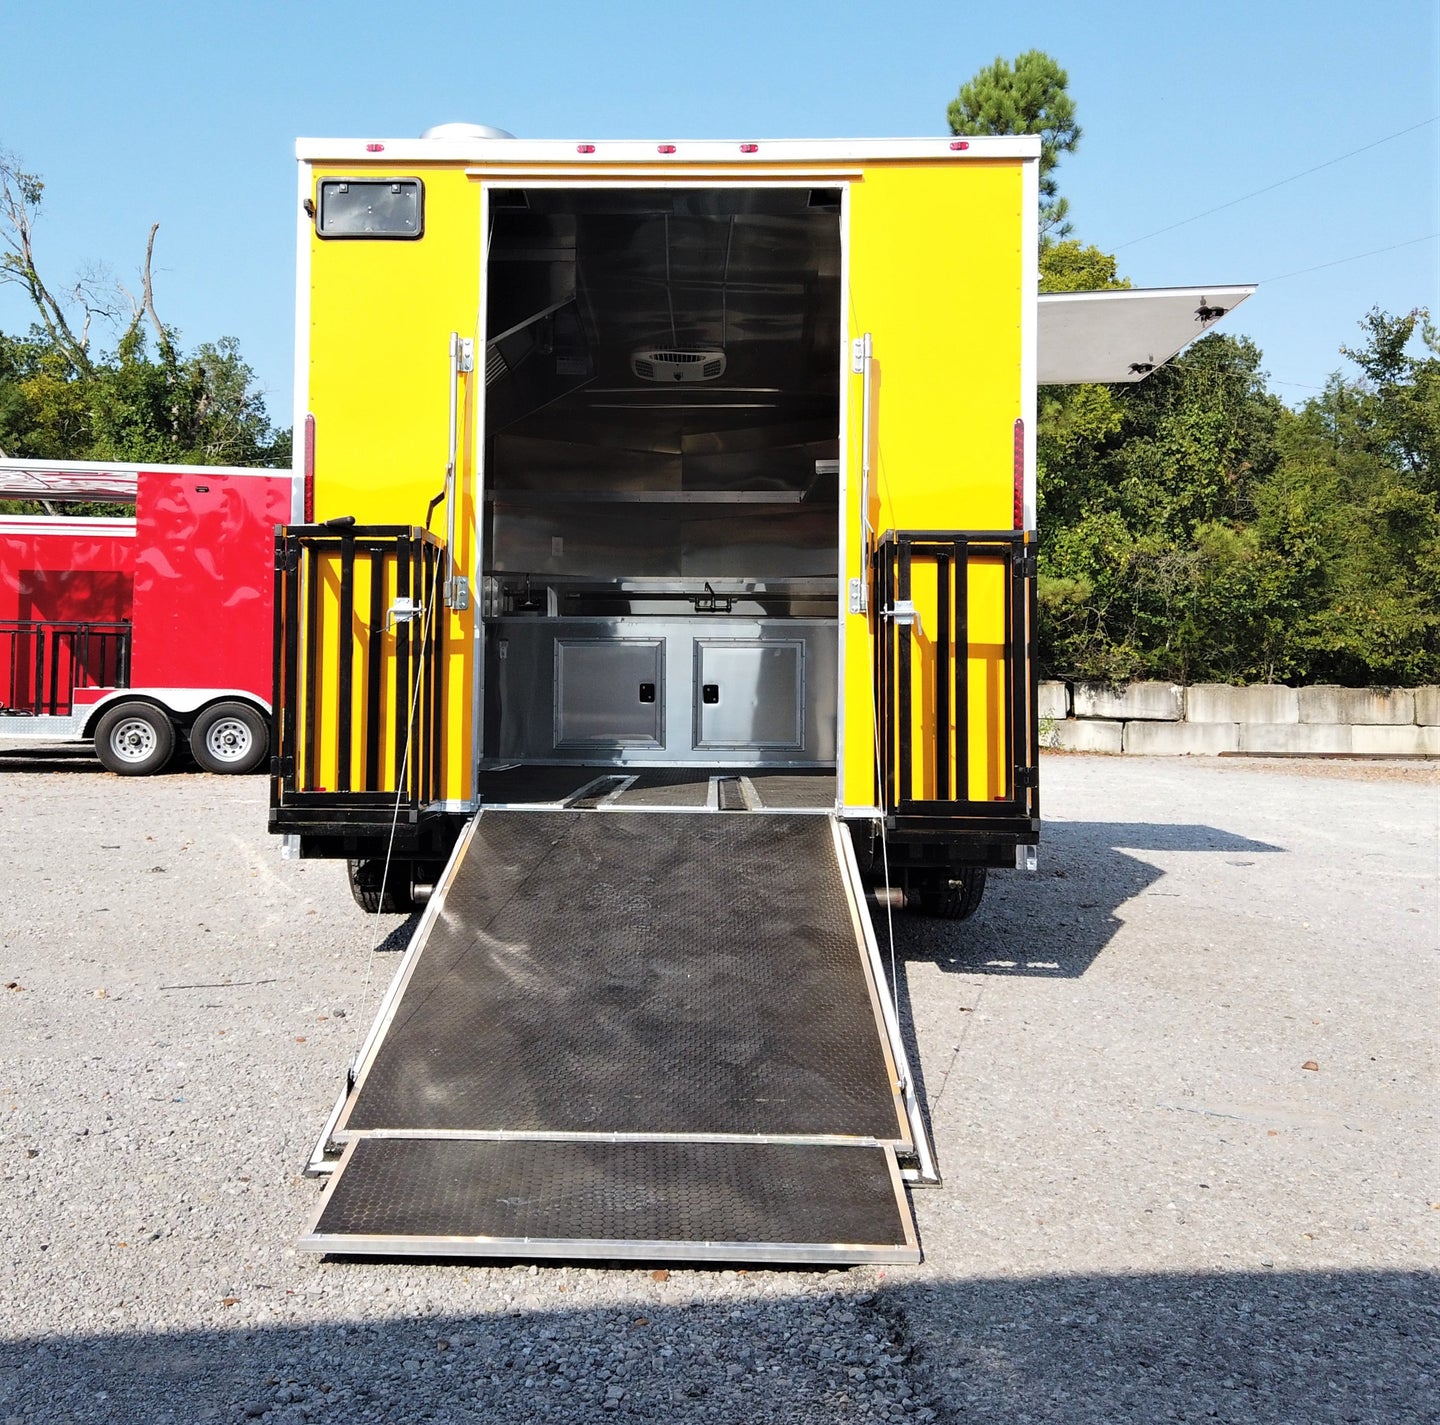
x=1182, y=1082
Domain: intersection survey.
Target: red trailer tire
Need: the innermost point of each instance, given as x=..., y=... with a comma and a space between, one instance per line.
x=230, y=738
x=134, y=739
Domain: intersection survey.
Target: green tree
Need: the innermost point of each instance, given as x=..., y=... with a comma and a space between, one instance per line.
x=1027, y=97
x=140, y=399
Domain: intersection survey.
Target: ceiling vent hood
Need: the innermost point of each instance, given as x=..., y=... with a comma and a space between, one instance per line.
x=667, y=365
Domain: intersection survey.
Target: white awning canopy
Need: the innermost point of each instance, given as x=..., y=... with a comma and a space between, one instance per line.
x=1124, y=335
x=67, y=480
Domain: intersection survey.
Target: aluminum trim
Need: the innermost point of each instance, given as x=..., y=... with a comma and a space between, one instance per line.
x=632, y=1249
x=888, y=1020
x=547, y=1135
x=842, y=513
x=893, y=1052
x=567, y=1248
x=386, y=1012
x=1029, y=332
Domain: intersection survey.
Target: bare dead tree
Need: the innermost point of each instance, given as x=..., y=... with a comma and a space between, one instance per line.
x=145, y=307
x=91, y=296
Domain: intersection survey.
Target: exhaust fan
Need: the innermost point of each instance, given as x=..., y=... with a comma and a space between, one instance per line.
x=668, y=365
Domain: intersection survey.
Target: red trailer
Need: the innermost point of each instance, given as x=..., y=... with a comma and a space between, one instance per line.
x=136, y=631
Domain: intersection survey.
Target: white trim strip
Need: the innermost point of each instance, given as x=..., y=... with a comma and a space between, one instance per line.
x=389, y=152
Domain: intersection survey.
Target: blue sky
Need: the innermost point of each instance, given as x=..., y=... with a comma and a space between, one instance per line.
x=186, y=115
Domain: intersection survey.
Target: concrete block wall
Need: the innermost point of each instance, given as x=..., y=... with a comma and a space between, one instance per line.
x=1209, y=718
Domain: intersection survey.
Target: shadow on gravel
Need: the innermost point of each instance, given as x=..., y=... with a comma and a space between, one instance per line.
x=75, y=758
x=1279, y=1347
x=1055, y=923
x=80, y=757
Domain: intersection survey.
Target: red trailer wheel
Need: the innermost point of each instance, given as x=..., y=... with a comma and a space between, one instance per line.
x=231, y=738
x=134, y=739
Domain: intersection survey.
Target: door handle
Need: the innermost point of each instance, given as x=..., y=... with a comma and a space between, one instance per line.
x=462, y=362
x=862, y=360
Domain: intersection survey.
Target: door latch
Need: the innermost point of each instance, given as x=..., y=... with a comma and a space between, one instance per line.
x=403, y=610
x=904, y=613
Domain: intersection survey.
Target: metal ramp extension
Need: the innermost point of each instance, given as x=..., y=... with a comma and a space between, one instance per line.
x=633, y=1037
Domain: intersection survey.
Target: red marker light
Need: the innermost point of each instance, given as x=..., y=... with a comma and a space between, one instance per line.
x=959, y=146
x=374, y=148
x=1019, y=474
x=308, y=469
x=584, y=148
x=749, y=148
x=665, y=148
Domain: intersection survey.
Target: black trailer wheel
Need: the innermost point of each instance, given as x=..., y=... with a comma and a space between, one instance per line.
x=954, y=894
x=230, y=737
x=134, y=739
x=365, y=878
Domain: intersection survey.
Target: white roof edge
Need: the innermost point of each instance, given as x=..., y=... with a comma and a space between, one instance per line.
x=542, y=151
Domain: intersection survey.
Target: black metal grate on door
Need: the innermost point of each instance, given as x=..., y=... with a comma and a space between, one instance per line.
x=358, y=670
x=923, y=676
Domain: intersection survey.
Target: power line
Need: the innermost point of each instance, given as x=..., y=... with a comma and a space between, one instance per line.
x=1339, y=261
x=1270, y=188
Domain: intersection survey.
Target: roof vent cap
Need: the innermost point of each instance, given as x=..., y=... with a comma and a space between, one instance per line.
x=466, y=131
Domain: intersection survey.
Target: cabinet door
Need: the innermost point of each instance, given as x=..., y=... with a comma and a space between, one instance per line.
x=609, y=692
x=749, y=693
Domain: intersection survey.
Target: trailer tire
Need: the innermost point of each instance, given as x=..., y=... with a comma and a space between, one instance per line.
x=230, y=738
x=954, y=895
x=365, y=877
x=134, y=739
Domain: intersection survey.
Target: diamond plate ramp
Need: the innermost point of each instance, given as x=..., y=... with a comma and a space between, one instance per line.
x=648, y=1036
x=593, y=972
x=625, y=1201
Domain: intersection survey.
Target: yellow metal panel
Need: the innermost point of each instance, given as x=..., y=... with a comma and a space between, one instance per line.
x=381, y=314
x=936, y=269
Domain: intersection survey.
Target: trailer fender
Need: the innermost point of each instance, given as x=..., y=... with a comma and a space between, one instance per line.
x=182, y=704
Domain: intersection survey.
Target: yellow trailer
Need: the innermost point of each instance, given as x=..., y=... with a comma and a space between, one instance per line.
x=650, y=484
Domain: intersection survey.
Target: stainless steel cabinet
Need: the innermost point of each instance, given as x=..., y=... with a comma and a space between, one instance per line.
x=724, y=691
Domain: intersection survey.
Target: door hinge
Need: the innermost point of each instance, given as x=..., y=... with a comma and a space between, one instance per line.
x=1025, y=562
x=859, y=597
x=1027, y=776
x=282, y=766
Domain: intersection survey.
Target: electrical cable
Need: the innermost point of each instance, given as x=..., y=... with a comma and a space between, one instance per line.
x=1340, y=261
x=1280, y=183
